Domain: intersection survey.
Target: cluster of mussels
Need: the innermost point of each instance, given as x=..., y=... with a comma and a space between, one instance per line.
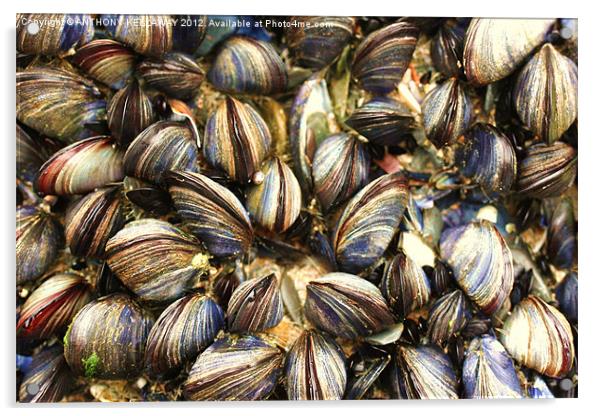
x=343, y=208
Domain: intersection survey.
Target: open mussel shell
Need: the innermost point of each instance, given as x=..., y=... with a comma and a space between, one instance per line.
x=235, y=367
x=567, y=296
x=561, y=245
x=57, y=34
x=48, y=378
x=447, y=317
x=39, y=239
x=156, y=260
x=488, y=371
x=255, y=305
x=236, y=140
x=182, y=331
x=383, y=56
x=163, y=146
x=447, y=48
x=81, y=167
x=428, y=373
x=212, y=213
x=31, y=152
x=446, y=112
x=316, y=41
x=488, y=158
x=369, y=222
x=245, y=65
x=538, y=336
x=315, y=368
x=147, y=34
x=107, y=338
x=106, y=61
x=546, y=171
x=382, y=120
x=130, y=111
x=275, y=203
x=404, y=285
x=481, y=262
x=52, y=305
x=346, y=306
x=545, y=94
x=58, y=103
x=494, y=48
x=175, y=74
x=92, y=220
x=365, y=368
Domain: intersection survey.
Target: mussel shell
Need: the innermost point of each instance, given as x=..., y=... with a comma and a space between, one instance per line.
x=225, y=284
x=546, y=171
x=236, y=367
x=276, y=202
x=538, y=336
x=561, y=246
x=212, y=213
x=567, y=296
x=545, y=94
x=447, y=48
x=446, y=112
x=346, y=306
x=107, y=338
x=156, y=260
x=52, y=305
x=383, y=56
x=255, y=305
x=189, y=32
x=369, y=221
x=92, y=220
x=494, y=48
x=245, y=65
x=31, y=152
x=182, y=331
x=539, y=389
x=316, y=41
x=447, y=317
x=440, y=278
x=488, y=371
x=161, y=147
x=481, y=262
x=147, y=34
x=48, y=378
x=38, y=241
x=81, y=167
x=175, y=74
x=488, y=158
x=130, y=111
x=107, y=61
x=56, y=35
x=315, y=368
x=364, y=372
x=382, y=120
x=58, y=103
x=236, y=140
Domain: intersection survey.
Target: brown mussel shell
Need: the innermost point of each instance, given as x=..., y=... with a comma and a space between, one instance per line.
x=129, y=112
x=175, y=74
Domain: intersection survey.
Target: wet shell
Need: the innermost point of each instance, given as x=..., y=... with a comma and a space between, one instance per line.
x=52, y=305
x=147, y=34
x=156, y=260
x=176, y=75
x=447, y=317
x=561, y=246
x=383, y=56
x=48, y=378
x=494, y=48
x=317, y=41
x=39, y=239
x=182, y=331
x=346, y=306
x=369, y=222
x=446, y=112
x=189, y=32
x=488, y=371
x=545, y=94
x=56, y=35
x=539, y=389
x=248, y=66
x=81, y=167
x=255, y=305
x=236, y=140
x=31, y=152
x=315, y=368
x=107, y=338
x=447, y=48
x=365, y=370
x=58, y=103
x=546, y=171
x=107, y=61
x=212, y=213
x=481, y=262
x=130, y=111
x=235, y=368
x=163, y=146
x=92, y=220
x=567, y=296
x=538, y=336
